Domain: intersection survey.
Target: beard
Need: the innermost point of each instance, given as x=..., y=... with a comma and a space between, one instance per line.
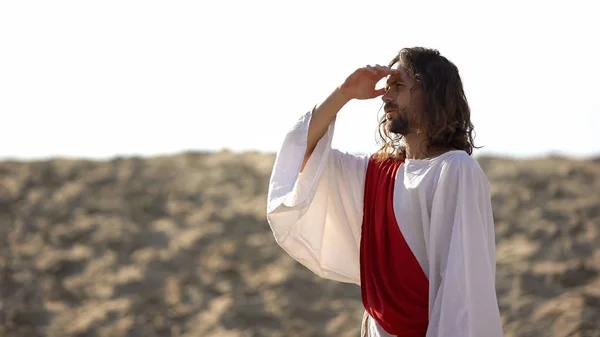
x=399, y=122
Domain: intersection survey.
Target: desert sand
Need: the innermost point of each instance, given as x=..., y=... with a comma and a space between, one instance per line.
x=179, y=246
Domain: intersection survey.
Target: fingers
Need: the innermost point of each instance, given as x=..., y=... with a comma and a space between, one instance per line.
x=391, y=71
x=380, y=70
x=372, y=70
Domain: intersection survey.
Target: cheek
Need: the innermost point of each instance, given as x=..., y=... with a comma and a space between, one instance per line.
x=404, y=98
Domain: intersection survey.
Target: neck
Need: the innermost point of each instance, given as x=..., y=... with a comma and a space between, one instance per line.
x=416, y=147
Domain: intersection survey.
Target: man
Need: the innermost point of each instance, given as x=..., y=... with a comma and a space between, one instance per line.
x=411, y=224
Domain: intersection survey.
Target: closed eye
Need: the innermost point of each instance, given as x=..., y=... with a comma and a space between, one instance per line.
x=395, y=84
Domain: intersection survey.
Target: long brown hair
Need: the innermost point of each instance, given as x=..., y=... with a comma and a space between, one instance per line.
x=446, y=113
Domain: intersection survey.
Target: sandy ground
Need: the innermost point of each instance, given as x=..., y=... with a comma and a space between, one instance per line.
x=179, y=246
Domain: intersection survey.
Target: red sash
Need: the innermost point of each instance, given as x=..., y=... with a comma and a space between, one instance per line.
x=394, y=289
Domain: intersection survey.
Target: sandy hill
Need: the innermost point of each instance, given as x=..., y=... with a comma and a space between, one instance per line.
x=179, y=246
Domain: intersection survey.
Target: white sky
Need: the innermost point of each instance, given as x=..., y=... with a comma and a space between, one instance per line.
x=104, y=78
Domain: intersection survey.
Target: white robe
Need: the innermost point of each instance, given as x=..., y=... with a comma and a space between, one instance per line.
x=443, y=209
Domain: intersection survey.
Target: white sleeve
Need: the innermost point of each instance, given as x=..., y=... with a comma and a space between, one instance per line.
x=316, y=215
x=462, y=254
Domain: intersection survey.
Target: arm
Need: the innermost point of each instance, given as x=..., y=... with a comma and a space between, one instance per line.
x=463, y=300
x=315, y=198
x=359, y=85
x=322, y=117
x=316, y=215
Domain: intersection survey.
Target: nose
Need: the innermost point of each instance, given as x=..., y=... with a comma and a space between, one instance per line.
x=387, y=97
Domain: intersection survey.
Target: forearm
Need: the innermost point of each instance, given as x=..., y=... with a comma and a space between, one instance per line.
x=321, y=118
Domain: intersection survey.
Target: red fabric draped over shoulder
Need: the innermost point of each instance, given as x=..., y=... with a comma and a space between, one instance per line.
x=394, y=288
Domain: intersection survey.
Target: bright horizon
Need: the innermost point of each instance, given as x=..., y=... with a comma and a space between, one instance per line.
x=121, y=78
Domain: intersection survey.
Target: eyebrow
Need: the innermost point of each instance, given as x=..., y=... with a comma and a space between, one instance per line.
x=393, y=79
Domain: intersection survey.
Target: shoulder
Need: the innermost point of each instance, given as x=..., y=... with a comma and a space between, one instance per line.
x=383, y=161
x=459, y=160
x=460, y=165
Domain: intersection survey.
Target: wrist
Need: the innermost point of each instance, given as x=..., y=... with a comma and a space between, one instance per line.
x=342, y=95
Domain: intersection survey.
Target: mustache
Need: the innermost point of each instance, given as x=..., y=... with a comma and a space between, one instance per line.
x=390, y=106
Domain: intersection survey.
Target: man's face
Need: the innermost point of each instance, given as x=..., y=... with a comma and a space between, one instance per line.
x=400, y=103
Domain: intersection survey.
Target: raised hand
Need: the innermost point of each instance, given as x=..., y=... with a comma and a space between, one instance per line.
x=361, y=83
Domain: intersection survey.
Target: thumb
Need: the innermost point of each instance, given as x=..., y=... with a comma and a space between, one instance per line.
x=380, y=92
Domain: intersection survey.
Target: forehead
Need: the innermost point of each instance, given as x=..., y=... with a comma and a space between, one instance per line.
x=402, y=76
x=398, y=66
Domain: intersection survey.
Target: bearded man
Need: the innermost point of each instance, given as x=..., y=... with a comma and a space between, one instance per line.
x=411, y=224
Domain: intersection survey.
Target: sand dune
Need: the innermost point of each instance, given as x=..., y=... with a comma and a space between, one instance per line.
x=179, y=246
